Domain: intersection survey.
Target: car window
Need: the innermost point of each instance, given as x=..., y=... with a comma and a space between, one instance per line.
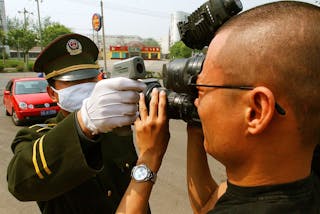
x=31, y=87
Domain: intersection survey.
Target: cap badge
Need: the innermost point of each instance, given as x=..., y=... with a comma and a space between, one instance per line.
x=74, y=47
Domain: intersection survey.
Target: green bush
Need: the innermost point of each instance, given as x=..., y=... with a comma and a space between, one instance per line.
x=13, y=64
x=1, y=68
x=20, y=68
x=30, y=66
x=5, y=56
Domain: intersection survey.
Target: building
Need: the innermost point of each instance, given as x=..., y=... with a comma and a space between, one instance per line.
x=124, y=52
x=3, y=23
x=3, y=20
x=164, y=44
x=174, y=35
x=126, y=46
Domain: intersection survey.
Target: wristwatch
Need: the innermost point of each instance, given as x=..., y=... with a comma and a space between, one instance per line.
x=142, y=173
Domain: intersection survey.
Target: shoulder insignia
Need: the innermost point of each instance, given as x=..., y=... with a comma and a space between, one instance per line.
x=43, y=126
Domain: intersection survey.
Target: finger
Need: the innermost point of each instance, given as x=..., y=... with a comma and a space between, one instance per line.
x=162, y=106
x=126, y=97
x=142, y=107
x=117, y=110
x=129, y=97
x=153, y=112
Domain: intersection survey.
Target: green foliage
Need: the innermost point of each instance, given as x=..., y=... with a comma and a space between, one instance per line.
x=20, y=68
x=22, y=39
x=23, y=35
x=28, y=40
x=30, y=66
x=150, y=42
x=153, y=74
x=14, y=37
x=13, y=63
x=180, y=50
x=1, y=68
x=52, y=31
x=2, y=37
x=17, y=64
x=5, y=56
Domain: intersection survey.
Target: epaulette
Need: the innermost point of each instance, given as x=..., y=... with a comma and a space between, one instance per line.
x=43, y=126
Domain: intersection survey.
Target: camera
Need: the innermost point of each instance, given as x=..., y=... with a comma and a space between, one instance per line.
x=199, y=29
x=197, y=32
x=177, y=76
x=132, y=68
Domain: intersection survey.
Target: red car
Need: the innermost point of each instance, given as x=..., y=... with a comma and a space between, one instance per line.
x=26, y=99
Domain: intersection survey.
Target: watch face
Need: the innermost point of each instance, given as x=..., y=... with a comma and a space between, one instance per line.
x=140, y=173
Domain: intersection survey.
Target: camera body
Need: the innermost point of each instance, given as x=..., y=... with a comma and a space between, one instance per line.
x=201, y=25
x=132, y=68
x=196, y=33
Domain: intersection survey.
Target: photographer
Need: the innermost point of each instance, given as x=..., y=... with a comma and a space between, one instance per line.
x=259, y=105
x=77, y=162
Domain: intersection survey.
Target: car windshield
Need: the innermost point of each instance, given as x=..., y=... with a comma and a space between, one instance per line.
x=31, y=87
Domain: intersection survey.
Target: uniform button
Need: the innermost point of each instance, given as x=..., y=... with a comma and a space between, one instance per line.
x=127, y=165
x=109, y=193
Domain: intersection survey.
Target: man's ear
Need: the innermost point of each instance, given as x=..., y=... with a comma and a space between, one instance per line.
x=52, y=94
x=261, y=109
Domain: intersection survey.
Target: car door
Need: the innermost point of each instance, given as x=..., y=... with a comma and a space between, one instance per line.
x=7, y=97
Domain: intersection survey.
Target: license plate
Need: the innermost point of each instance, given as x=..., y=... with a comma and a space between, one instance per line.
x=48, y=112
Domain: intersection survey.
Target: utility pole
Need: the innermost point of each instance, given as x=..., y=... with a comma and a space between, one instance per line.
x=103, y=41
x=25, y=29
x=25, y=17
x=40, y=29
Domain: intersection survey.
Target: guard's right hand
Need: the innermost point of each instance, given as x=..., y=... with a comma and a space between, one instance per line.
x=113, y=103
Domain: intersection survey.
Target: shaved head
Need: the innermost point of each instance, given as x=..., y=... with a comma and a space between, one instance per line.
x=277, y=45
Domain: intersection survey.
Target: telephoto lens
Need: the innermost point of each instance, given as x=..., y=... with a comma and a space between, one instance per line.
x=179, y=105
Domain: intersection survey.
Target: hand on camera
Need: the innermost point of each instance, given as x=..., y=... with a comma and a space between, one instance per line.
x=112, y=104
x=152, y=130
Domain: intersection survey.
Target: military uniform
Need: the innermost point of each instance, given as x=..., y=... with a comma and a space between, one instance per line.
x=54, y=163
x=66, y=173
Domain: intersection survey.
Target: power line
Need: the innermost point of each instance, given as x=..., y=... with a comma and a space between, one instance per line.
x=127, y=9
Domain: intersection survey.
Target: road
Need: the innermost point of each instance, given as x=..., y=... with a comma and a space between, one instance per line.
x=169, y=194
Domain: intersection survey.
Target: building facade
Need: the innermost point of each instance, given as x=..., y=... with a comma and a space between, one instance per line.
x=3, y=20
x=124, y=52
x=176, y=17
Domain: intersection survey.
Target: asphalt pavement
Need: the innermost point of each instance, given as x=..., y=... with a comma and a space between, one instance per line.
x=169, y=194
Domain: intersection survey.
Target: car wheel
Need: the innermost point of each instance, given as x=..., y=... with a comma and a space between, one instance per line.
x=15, y=118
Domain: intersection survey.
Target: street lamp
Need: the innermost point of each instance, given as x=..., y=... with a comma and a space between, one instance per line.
x=103, y=40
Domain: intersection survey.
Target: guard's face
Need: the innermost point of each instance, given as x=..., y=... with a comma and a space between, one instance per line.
x=58, y=85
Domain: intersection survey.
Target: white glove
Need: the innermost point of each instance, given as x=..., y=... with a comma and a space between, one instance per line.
x=113, y=103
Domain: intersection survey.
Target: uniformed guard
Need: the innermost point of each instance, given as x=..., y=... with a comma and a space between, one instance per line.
x=74, y=163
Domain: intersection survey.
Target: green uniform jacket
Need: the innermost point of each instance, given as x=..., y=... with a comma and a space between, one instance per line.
x=66, y=173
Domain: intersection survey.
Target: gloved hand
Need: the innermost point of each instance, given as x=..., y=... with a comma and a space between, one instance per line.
x=113, y=103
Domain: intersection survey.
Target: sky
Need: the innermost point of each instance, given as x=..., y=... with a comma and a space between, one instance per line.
x=145, y=18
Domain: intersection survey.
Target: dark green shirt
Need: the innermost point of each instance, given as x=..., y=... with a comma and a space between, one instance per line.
x=65, y=172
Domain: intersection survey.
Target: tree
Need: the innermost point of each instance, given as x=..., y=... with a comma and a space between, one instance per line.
x=28, y=41
x=14, y=37
x=21, y=37
x=180, y=50
x=52, y=31
x=3, y=43
x=150, y=42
